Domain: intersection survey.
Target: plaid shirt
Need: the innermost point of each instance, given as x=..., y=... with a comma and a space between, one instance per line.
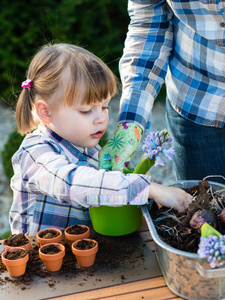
x=55, y=182
x=183, y=43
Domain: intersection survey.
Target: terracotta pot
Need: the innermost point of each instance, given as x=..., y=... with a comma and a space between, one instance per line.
x=85, y=258
x=52, y=262
x=25, y=246
x=74, y=237
x=15, y=267
x=43, y=241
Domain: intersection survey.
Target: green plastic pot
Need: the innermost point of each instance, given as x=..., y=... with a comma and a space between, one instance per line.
x=116, y=221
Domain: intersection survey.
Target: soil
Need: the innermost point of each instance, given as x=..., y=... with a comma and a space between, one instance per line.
x=174, y=228
x=50, y=249
x=48, y=234
x=76, y=229
x=15, y=254
x=106, y=259
x=16, y=240
x=85, y=245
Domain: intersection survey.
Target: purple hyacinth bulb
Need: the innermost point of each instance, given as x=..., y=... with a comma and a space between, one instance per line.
x=222, y=216
x=202, y=216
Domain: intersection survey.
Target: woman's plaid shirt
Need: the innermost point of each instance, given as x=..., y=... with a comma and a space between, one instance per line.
x=182, y=41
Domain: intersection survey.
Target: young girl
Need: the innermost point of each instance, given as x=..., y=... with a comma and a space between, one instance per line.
x=56, y=176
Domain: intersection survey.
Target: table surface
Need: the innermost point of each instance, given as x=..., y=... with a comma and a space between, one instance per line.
x=154, y=288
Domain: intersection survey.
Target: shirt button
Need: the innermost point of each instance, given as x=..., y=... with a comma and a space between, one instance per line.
x=222, y=24
x=138, y=199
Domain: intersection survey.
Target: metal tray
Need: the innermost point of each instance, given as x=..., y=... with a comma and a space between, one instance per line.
x=185, y=273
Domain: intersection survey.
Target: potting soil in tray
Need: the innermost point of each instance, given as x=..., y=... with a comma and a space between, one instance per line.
x=119, y=260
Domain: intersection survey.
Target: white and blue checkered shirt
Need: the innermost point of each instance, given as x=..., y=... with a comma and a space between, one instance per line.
x=183, y=43
x=55, y=182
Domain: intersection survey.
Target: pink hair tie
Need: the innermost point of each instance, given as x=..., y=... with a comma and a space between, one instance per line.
x=26, y=84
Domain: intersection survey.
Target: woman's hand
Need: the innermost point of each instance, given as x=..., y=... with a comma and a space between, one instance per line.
x=116, y=154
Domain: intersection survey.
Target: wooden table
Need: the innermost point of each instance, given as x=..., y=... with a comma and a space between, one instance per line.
x=154, y=288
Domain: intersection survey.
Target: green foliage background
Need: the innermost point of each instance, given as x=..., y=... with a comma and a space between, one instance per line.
x=97, y=25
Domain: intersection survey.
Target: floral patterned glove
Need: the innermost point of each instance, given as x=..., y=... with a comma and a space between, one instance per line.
x=119, y=149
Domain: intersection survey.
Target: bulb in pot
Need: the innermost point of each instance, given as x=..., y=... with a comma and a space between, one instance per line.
x=202, y=216
x=222, y=216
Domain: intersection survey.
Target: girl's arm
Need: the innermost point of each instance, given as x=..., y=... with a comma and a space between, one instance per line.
x=42, y=170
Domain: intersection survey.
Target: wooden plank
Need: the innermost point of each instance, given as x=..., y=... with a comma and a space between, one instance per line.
x=148, y=285
x=146, y=236
x=144, y=226
x=152, y=246
x=156, y=294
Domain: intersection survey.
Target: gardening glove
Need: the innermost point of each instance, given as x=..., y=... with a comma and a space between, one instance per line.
x=116, y=154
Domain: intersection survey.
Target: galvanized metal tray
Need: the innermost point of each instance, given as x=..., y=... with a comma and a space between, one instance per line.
x=185, y=273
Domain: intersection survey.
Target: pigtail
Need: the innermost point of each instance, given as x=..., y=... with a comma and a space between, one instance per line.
x=48, y=75
x=24, y=113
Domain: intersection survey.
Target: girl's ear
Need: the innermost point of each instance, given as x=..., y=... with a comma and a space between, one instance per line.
x=42, y=110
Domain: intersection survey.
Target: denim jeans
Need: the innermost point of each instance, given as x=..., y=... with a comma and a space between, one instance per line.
x=200, y=150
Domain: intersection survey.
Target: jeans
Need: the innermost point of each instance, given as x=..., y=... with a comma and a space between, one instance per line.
x=200, y=150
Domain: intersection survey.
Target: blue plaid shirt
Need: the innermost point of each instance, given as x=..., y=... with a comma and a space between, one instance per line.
x=181, y=42
x=55, y=182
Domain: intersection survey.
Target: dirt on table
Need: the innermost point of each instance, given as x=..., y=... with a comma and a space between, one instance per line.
x=113, y=253
x=174, y=228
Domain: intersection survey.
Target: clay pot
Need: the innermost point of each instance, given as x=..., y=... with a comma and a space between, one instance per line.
x=25, y=246
x=85, y=258
x=43, y=241
x=52, y=262
x=15, y=267
x=74, y=237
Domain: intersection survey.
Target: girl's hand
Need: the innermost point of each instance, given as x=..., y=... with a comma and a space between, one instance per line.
x=170, y=196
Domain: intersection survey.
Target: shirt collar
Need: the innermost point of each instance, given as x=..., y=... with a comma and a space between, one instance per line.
x=59, y=139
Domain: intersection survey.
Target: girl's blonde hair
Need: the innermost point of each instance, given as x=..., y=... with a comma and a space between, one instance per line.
x=51, y=83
